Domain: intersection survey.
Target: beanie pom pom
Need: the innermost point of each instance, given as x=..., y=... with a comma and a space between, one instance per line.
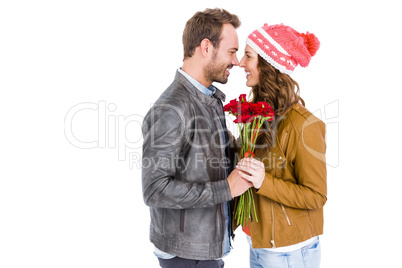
x=312, y=43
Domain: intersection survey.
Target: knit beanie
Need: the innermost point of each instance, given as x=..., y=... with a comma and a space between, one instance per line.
x=283, y=47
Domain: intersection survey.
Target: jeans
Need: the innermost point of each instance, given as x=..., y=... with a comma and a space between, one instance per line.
x=177, y=262
x=307, y=257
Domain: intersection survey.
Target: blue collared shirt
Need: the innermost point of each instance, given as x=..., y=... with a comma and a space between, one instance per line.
x=210, y=91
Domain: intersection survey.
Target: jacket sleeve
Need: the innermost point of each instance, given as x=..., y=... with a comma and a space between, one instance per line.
x=310, y=191
x=165, y=133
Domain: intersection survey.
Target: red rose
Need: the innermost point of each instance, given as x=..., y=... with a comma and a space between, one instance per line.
x=258, y=108
x=242, y=98
x=245, y=111
x=232, y=107
x=247, y=108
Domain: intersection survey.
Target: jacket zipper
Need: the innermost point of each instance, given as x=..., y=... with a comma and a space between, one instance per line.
x=284, y=211
x=182, y=220
x=272, y=203
x=222, y=137
x=283, y=149
x=273, y=228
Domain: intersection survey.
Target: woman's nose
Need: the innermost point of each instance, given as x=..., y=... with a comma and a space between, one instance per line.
x=241, y=64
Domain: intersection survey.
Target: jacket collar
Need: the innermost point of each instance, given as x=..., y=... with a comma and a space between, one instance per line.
x=199, y=95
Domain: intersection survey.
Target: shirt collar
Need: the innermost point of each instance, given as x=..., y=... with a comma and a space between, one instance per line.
x=210, y=91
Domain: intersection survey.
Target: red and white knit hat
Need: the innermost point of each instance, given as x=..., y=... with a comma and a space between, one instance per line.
x=283, y=47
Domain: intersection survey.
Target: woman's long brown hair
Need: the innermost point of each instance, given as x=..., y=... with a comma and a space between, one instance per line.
x=278, y=90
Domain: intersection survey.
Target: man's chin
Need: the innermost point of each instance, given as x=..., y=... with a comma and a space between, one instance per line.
x=222, y=80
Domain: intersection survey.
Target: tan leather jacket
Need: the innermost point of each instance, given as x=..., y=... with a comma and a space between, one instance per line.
x=291, y=199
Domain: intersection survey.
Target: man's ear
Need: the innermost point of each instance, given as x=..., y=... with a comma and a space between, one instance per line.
x=205, y=47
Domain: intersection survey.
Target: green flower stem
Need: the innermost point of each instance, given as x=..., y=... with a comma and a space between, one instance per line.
x=246, y=206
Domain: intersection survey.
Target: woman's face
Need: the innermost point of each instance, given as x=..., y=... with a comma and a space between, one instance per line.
x=249, y=62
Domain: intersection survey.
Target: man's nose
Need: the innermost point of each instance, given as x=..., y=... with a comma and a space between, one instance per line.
x=235, y=61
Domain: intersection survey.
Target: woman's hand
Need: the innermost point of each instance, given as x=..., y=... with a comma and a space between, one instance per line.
x=252, y=170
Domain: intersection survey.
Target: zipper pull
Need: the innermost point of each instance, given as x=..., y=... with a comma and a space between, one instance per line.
x=273, y=244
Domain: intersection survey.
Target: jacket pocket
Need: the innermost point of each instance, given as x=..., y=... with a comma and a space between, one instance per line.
x=182, y=214
x=283, y=143
x=286, y=214
x=281, y=160
x=280, y=167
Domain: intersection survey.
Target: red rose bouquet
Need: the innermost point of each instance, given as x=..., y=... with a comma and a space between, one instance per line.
x=250, y=118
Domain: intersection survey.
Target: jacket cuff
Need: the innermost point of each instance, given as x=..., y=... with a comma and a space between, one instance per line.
x=266, y=185
x=221, y=191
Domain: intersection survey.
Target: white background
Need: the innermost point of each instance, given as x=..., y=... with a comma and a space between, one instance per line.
x=65, y=206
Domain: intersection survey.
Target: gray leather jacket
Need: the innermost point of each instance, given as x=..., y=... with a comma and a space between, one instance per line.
x=183, y=173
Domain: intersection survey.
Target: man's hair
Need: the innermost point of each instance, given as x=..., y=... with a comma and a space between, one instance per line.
x=206, y=24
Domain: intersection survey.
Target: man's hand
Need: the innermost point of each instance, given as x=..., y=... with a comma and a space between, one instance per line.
x=237, y=184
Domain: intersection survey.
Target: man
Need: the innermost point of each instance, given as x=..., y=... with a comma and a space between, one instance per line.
x=188, y=186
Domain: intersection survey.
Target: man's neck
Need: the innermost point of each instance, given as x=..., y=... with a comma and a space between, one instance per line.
x=196, y=72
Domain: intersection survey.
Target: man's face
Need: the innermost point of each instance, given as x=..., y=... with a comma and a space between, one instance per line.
x=224, y=57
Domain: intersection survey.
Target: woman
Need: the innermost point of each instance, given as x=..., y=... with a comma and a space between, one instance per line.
x=289, y=176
